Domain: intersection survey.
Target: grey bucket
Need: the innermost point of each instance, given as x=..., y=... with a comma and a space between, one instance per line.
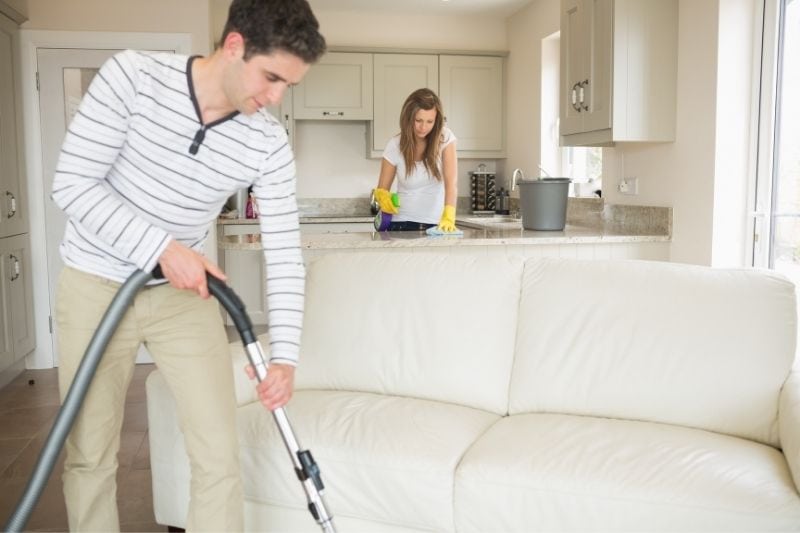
x=543, y=203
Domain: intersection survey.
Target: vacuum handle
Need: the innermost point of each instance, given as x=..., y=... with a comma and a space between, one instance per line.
x=229, y=300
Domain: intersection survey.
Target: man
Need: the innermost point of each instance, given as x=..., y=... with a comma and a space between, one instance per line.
x=159, y=143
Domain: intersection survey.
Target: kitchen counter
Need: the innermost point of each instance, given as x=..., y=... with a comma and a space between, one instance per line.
x=332, y=219
x=572, y=234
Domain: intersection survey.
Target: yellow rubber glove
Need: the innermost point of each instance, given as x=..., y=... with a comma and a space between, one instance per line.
x=448, y=221
x=384, y=199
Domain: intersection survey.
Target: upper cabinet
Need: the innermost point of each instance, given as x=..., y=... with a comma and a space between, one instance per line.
x=395, y=77
x=373, y=87
x=618, y=71
x=338, y=87
x=472, y=89
x=13, y=219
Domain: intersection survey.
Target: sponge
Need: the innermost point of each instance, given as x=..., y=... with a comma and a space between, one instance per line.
x=434, y=231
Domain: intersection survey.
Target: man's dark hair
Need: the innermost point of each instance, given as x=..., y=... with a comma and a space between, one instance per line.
x=270, y=25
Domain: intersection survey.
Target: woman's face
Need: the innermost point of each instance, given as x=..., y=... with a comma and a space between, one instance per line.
x=423, y=122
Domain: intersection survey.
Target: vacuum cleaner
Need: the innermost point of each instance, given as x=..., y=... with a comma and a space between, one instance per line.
x=304, y=465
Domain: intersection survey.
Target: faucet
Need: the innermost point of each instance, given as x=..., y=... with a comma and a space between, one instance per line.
x=514, y=177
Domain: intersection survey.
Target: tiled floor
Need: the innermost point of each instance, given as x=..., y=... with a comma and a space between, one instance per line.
x=27, y=411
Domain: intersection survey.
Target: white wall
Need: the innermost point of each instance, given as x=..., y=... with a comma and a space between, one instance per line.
x=704, y=174
x=736, y=79
x=526, y=29
x=169, y=16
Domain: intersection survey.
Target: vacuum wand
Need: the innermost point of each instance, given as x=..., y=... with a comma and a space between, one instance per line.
x=304, y=465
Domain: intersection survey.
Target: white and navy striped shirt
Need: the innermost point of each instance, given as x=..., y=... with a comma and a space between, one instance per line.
x=128, y=183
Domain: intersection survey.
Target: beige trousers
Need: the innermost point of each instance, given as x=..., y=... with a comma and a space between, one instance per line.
x=187, y=340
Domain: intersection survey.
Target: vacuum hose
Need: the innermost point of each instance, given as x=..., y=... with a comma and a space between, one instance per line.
x=305, y=467
x=74, y=399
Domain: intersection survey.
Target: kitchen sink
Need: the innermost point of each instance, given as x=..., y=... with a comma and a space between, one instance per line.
x=491, y=222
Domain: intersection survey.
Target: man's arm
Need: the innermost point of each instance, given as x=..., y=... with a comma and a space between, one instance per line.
x=92, y=145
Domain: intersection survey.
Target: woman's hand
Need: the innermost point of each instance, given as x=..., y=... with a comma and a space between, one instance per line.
x=384, y=199
x=447, y=223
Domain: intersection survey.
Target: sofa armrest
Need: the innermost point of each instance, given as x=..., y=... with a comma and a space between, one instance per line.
x=789, y=424
x=245, y=388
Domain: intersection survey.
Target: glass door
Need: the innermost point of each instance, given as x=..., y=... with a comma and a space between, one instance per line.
x=777, y=214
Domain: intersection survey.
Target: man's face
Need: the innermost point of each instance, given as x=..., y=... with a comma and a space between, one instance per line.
x=262, y=80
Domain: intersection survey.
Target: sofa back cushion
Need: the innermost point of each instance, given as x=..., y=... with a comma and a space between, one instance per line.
x=688, y=345
x=425, y=325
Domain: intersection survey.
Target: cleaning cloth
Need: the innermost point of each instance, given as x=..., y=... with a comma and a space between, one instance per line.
x=434, y=231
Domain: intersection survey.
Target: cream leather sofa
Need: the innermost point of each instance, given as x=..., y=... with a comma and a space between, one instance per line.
x=472, y=394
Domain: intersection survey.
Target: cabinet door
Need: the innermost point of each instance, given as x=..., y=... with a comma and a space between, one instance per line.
x=12, y=214
x=573, y=59
x=6, y=343
x=339, y=87
x=395, y=77
x=17, y=259
x=597, y=88
x=245, y=271
x=471, y=89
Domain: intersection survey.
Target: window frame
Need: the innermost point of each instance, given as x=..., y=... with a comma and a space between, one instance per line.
x=761, y=223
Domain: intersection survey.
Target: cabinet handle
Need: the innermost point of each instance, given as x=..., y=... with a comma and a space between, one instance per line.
x=12, y=204
x=333, y=113
x=575, y=105
x=15, y=269
x=583, y=85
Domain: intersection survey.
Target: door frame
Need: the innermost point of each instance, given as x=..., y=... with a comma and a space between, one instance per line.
x=30, y=42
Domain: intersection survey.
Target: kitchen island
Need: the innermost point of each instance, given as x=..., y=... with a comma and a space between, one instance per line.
x=239, y=245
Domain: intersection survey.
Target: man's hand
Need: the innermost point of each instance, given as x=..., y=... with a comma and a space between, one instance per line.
x=186, y=269
x=276, y=390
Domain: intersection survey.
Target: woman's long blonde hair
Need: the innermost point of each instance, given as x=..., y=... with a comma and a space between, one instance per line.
x=421, y=99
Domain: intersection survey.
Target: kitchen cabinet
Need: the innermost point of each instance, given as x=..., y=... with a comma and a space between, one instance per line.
x=618, y=71
x=16, y=301
x=472, y=90
x=13, y=216
x=338, y=87
x=396, y=76
x=245, y=271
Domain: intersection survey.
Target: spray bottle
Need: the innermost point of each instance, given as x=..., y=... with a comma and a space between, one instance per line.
x=382, y=220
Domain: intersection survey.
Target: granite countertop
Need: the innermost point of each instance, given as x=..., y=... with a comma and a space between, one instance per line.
x=572, y=234
x=305, y=219
x=589, y=221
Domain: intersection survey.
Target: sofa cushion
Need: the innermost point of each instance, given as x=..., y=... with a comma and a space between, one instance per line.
x=548, y=472
x=432, y=326
x=688, y=345
x=382, y=458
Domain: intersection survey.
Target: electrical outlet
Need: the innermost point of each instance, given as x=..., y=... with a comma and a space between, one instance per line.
x=629, y=186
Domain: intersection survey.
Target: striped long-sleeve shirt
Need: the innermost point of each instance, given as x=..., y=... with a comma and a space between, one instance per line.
x=128, y=183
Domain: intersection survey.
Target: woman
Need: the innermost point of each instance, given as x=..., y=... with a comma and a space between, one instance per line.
x=423, y=156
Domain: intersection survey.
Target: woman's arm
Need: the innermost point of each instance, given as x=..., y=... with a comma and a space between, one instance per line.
x=387, y=175
x=450, y=174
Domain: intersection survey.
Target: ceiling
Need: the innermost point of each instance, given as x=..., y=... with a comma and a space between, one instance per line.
x=492, y=8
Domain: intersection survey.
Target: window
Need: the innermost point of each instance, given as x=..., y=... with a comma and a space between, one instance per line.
x=582, y=165
x=776, y=216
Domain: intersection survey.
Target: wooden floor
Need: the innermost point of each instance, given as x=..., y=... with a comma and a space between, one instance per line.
x=28, y=406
